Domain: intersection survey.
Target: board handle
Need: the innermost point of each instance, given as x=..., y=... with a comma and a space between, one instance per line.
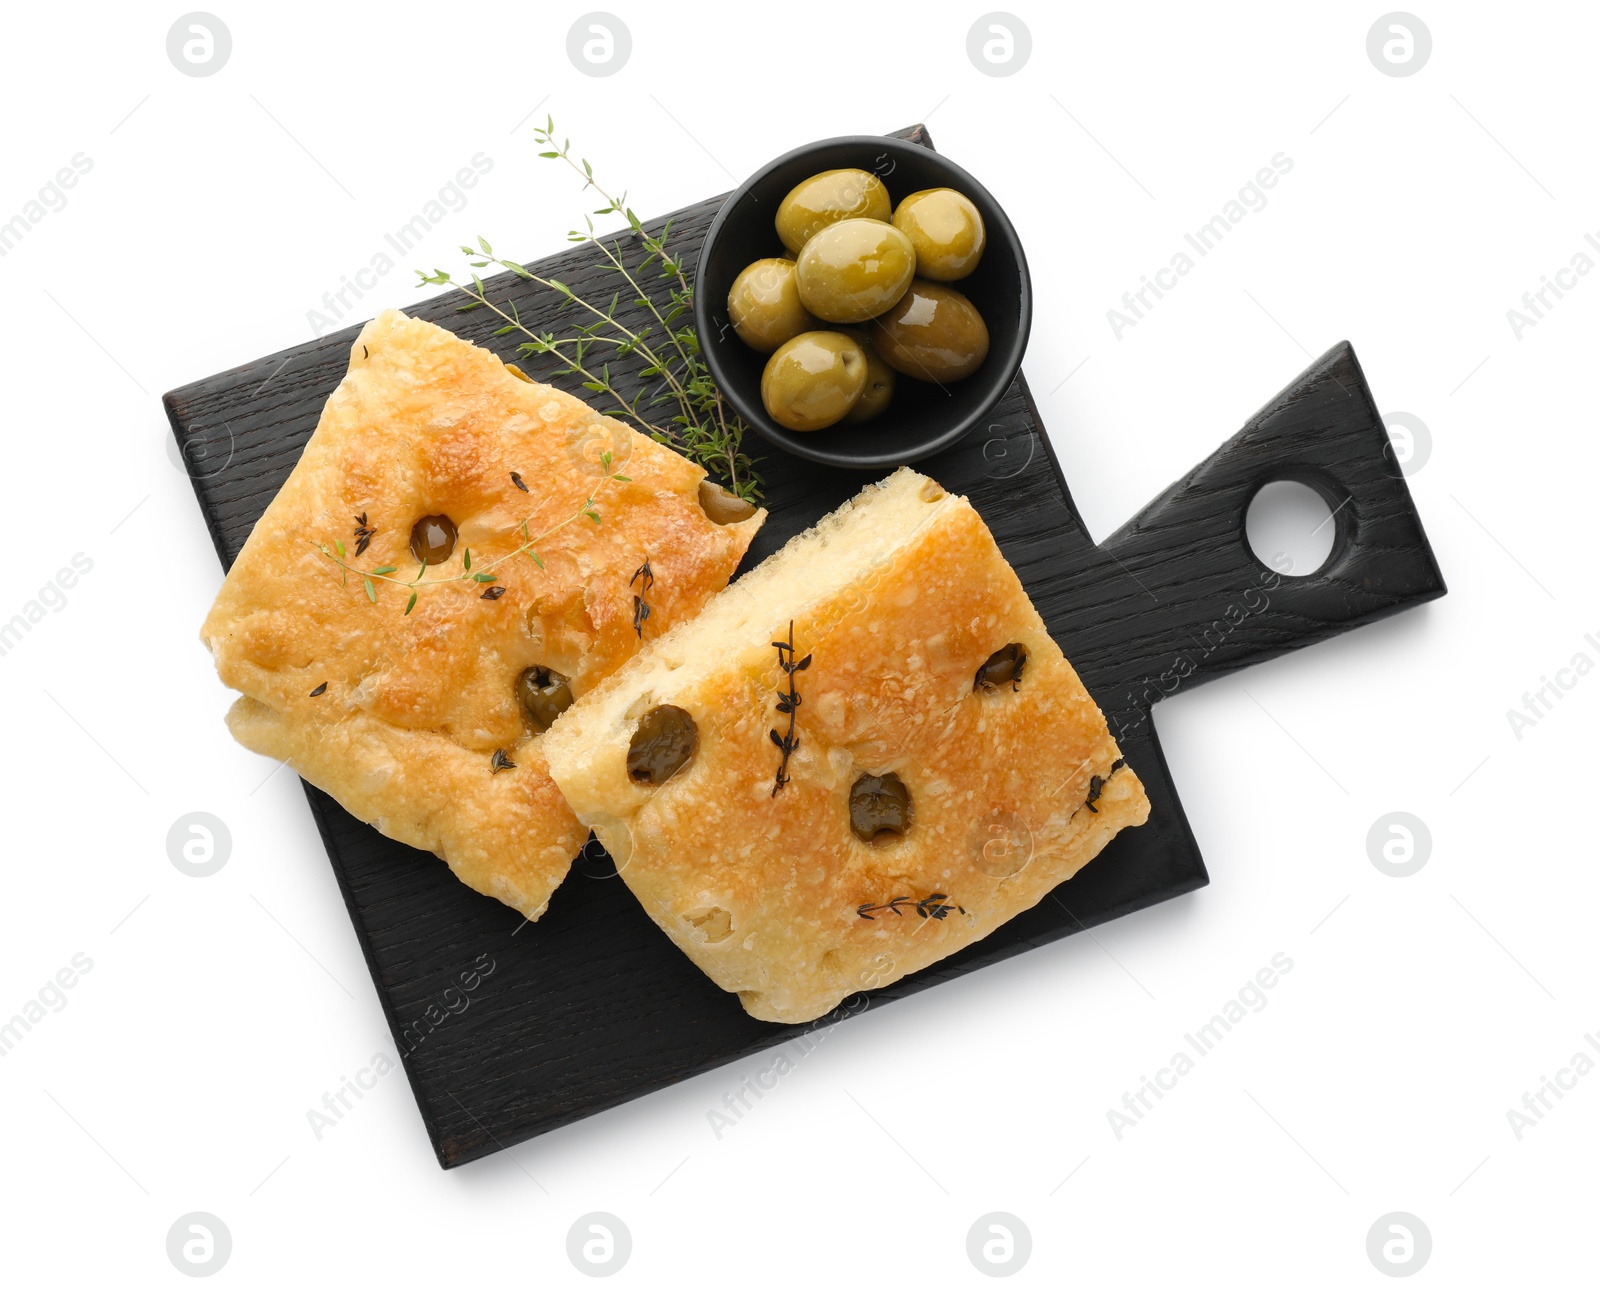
x=1207, y=605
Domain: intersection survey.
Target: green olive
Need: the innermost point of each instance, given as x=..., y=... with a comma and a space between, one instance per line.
x=813, y=380
x=433, y=538
x=879, y=389
x=880, y=807
x=545, y=695
x=946, y=230
x=765, y=307
x=666, y=739
x=825, y=199
x=722, y=507
x=933, y=334
x=854, y=270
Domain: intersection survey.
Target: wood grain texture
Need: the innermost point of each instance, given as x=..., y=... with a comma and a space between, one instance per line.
x=592, y=1006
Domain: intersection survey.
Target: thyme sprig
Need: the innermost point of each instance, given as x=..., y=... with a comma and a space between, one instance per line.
x=482, y=577
x=646, y=578
x=932, y=906
x=701, y=428
x=788, y=702
x=707, y=432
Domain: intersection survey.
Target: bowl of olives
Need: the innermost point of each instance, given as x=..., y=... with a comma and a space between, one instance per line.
x=862, y=302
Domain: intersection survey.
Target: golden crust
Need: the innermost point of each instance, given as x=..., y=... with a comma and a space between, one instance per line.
x=425, y=423
x=762, y=891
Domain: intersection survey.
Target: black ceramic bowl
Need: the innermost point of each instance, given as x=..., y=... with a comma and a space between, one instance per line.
x=923, y=417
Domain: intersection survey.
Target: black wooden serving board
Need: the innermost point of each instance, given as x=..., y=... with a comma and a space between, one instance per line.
x=592, y=1005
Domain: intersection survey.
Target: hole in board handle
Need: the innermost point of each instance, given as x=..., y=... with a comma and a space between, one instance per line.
x=1290, y=528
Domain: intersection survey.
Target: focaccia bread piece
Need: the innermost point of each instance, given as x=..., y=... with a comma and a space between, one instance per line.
x=409, y=719
x=946, y=768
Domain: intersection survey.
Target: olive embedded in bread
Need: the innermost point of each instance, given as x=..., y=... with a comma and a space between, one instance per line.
x=827, y=198
x=946, y=229
x=1004, y=667
x=433, y=539
x=854, y=270
x=545, y=695
x=666, y=739
x=764, y=305
x=813, y=380
x=933, y=334
x=880, y=807
x=721, y=506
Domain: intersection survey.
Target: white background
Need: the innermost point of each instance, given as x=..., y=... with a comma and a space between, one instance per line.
x=1419, y=1010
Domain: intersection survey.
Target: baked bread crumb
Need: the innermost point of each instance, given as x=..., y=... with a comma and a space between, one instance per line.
x=931, y=699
